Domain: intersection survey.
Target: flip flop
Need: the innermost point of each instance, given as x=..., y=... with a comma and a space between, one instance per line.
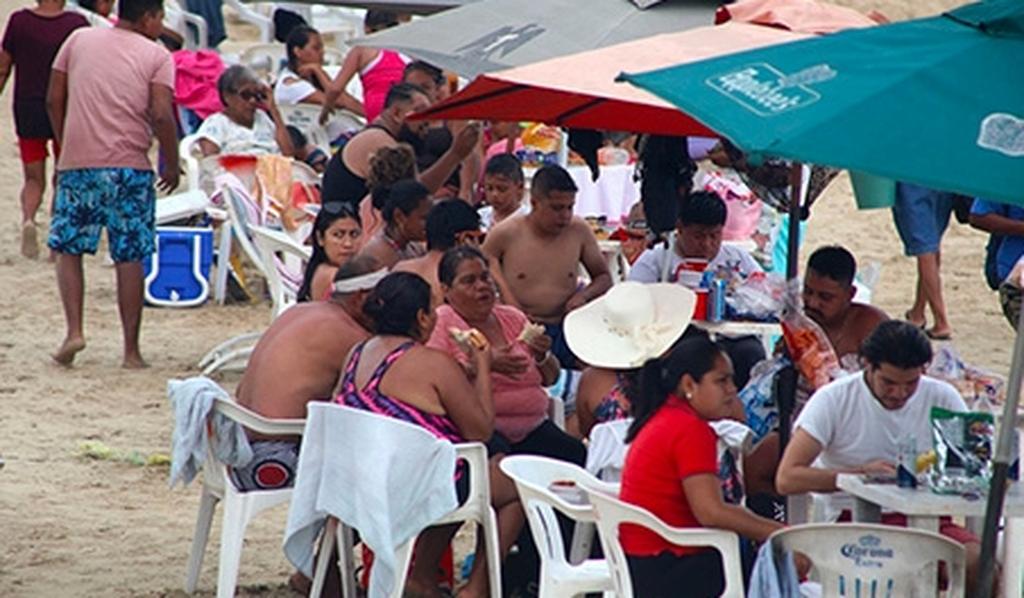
x=945, y=336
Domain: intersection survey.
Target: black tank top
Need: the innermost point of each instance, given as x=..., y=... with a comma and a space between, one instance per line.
x=340, y=183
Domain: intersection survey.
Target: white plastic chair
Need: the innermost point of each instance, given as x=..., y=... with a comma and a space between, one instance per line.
x=306, y=118
x=189, y=156
x=868, y=560
x=534, y=478
x=234, y=352
x=612, y=512
x=178, y=19
x=477, y=508
x=239, y=507
x=556, y=411
x=265, y=58
x=269, y=243
x=262, y=22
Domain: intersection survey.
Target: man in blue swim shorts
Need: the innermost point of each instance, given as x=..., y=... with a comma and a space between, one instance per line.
x=105, y=108
x=921, y=216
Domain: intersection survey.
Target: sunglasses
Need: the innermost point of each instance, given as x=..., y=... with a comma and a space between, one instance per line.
x=249, y=96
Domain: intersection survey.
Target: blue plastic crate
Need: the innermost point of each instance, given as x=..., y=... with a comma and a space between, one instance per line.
x=178, y=272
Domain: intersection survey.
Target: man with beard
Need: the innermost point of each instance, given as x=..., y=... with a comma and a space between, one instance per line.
x=298, y=360
x=828, y=300
x=540, y=254
x=345, y=177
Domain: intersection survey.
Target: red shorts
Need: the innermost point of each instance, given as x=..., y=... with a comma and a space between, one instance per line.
x=34, y=149
x=946, y=526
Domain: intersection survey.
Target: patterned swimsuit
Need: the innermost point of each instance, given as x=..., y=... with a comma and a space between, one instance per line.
x=370, y=398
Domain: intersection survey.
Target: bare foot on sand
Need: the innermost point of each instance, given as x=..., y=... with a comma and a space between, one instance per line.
x=65, y=354
x=29, y=240
x=134, y=362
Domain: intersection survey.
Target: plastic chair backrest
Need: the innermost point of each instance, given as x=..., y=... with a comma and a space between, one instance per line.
x=189, y=155
x=877, y=561
x=612, y=512
x=535, y=478
x=264, y=58
x=269, y=243
x=243, y=212
x=215, y=472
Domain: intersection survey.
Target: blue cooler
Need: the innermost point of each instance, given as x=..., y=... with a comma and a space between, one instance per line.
x=178, y=272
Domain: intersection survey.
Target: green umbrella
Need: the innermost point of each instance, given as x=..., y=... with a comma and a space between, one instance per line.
x=936, y=101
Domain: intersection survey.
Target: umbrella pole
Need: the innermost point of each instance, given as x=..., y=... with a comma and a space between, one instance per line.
x=1003, y=459
x=786, y=380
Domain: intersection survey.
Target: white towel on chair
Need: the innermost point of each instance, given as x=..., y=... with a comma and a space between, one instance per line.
x=192, y=400
x=386, y=478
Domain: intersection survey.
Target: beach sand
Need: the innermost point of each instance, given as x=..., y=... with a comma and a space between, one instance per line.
x=72, y=526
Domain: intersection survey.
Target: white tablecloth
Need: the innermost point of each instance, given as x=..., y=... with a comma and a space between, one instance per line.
x=611, y=195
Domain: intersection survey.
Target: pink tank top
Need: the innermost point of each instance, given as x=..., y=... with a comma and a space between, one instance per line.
x=384, y=71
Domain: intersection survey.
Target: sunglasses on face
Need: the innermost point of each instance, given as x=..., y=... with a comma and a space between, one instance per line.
x=249, y=95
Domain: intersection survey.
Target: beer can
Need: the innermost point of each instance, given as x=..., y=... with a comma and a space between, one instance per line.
x=716, y=300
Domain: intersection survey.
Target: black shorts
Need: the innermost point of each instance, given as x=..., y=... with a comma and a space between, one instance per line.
x=665, y=575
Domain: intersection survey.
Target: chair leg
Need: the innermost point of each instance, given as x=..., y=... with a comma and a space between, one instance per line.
x=207, y=506
x=489, y=525
x=324, y=558
x=233, y=524
x=346, y=564
x=403, y=557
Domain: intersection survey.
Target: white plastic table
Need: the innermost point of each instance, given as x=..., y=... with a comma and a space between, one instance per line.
x=923, y=509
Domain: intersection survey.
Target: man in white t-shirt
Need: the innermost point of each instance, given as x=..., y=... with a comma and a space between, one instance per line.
x=855, y=424
x=698, y=236
x=697, y=247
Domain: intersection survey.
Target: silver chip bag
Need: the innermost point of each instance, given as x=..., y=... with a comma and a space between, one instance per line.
x=964, y=445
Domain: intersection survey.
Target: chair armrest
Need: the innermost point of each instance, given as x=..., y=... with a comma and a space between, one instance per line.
x=257, y=423
x=201, y=29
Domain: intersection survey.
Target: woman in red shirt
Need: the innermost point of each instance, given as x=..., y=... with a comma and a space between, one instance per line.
x=671, y=470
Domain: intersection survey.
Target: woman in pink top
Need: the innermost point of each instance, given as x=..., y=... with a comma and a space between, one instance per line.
x=519, y=368
x=378, y=69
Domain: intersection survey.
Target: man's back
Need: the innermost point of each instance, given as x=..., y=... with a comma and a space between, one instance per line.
x=542, y=272
x=298, y=359
x=109, y=73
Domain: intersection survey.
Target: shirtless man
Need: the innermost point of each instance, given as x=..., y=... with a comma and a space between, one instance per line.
x=828, y=300
x=297, y=360
x=540, y=254
x=345, y=177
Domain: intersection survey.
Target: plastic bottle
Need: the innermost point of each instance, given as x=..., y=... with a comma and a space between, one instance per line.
x=906, y=464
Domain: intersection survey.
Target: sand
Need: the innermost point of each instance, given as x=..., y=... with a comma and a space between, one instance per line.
x=72, y=526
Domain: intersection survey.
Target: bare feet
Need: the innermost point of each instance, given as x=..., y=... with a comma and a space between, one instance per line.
x=29, y=240
x=134, y=362
x=65, y=354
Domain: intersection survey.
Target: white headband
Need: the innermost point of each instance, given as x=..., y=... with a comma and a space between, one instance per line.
x=360, y=283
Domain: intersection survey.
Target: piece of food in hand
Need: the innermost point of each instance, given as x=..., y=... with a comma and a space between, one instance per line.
x=530, y=332
x=469, y=339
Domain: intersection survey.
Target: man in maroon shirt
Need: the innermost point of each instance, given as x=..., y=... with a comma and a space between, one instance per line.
x=30, y=42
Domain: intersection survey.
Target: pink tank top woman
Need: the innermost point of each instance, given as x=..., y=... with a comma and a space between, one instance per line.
x=383, y=71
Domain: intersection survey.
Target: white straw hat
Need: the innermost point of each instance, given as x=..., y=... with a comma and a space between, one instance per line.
x=631, y=323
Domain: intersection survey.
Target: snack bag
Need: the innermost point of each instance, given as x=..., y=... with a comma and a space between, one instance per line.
x=808, y=345
x=964, y=445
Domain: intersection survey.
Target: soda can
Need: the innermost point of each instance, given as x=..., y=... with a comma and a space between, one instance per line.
x=716, y=300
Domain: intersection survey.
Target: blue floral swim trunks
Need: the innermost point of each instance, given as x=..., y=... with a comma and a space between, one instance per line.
x=121, y=199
